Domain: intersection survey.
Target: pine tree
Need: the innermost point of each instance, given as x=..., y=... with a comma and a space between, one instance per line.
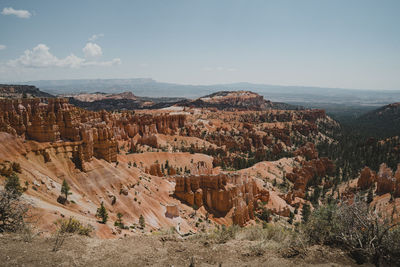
x=142, y=223
x=102, y=213
x=119, y=223
x=65, y=189
x=12, y=185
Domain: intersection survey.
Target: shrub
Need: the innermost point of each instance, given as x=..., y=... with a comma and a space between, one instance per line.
x=12, y=185
x=306, y=212
x=358, y=229
x=12, y=211
x=265, y=215
x=142, y=222
x=16, y=167
x=322, y=226
x=65, y=189
x=119, y=223
x=73, y=226
x=257, y=249
x=225, y=234
x=66, y=227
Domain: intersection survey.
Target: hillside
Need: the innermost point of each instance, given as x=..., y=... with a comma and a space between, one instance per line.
x=382, y=122
x=102, y=154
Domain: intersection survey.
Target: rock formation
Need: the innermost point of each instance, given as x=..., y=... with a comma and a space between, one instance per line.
x=367, y=178
x=95, y=133
x=387, y=182
x=220, y=194
x=311, y=171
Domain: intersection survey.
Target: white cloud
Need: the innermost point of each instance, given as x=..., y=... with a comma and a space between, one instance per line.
x=40, y=57
x=92, y=50
x=20, y=13
x=2, y=47
x=115, y=61
x=94, y=37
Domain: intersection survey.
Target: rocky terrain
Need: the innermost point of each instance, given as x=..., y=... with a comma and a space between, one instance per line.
x=162, y=250
x=230, y=158
x=53, y=140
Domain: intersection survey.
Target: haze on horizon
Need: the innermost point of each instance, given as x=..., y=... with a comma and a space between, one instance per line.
x=337, y=44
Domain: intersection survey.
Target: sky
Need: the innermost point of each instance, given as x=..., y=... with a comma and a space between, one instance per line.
x=339, y=43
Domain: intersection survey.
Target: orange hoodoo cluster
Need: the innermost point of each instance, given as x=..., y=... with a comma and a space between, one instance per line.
x=221, y=193
x=94, y=134
x=386, y=181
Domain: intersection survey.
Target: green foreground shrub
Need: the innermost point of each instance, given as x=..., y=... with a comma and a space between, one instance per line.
x=355, y=227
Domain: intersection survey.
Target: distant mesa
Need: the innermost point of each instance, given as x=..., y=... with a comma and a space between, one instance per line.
x=21, y=91
x=236, y=100
x=85, y=97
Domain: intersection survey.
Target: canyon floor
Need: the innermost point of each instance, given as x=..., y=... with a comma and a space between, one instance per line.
x=157, y=250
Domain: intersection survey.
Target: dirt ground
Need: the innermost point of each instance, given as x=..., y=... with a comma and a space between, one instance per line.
x=157, y=250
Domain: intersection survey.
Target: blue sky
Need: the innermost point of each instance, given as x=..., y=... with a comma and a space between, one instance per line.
x=348, y=44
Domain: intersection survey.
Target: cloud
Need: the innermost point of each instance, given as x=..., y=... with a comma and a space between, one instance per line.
x=94, y=37
x=2, y=47
x=20, y=13
x=92, y=50
x=40, y=57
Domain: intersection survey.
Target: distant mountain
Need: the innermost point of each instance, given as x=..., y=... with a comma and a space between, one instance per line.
x=19, y=91
x=300, y=95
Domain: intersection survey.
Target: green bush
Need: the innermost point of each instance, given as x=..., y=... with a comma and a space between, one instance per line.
x=225, y=234
x=73, y=226
x=356, y=228
x=12, y=185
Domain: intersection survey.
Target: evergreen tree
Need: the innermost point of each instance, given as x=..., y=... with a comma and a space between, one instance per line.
x=65, y=189
x=102, y=213
x=142, y=223
x=12, y=185
x=119, y=223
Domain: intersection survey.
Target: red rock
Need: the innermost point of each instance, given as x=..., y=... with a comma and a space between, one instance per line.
x=367, y=178
x=221, y=193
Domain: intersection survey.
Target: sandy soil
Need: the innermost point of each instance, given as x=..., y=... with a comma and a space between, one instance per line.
x=155, y=250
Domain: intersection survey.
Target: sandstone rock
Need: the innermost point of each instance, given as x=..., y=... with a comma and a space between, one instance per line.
x=387, y=182
x=94, y=134
x=367, y=178
x=221, y=193
x=172, y=211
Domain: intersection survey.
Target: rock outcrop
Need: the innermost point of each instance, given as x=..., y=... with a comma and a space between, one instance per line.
x=310, y=172
x=367, y=178
x=235, y=100
x=220, y=194
x=95, y=134
x=387, y=182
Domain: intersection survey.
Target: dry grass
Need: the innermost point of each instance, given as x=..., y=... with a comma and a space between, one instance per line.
x=151, y=250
